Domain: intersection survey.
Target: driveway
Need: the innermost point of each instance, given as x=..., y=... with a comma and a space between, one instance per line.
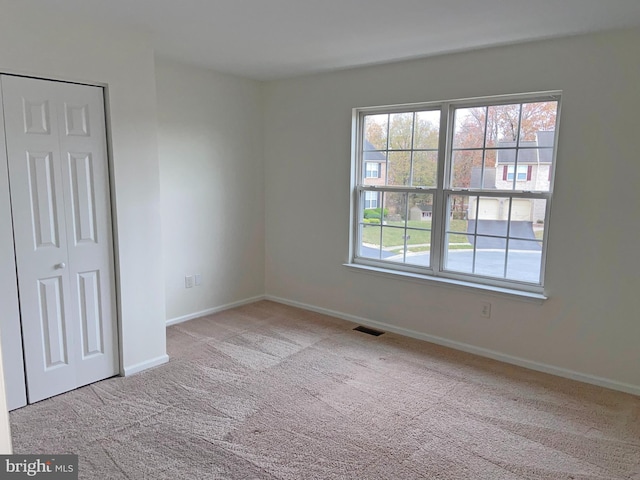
x=523, y=265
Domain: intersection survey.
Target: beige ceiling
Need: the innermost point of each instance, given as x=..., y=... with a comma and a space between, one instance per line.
x=268, y=39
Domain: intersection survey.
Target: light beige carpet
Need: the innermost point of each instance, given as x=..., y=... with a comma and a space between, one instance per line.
x=266, y=391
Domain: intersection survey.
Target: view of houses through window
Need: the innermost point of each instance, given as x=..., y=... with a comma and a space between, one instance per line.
x=458, y=189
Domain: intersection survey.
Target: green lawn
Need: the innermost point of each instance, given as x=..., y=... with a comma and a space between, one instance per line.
x=539, y=234
x=419, y=234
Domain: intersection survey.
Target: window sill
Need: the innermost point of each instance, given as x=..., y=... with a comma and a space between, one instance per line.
x=450, y=283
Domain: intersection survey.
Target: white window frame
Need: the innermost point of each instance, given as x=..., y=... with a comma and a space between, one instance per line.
x=441, y=193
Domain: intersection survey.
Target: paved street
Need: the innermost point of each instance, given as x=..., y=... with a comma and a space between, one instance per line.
x=523, y=265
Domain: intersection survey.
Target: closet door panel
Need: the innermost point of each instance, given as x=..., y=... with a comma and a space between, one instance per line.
x=89, y=237
x=35, y=180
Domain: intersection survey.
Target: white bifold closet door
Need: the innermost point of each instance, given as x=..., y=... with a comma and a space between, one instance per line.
x=59, y=190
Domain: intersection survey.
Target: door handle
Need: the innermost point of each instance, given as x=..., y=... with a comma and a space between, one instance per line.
x=60, y=266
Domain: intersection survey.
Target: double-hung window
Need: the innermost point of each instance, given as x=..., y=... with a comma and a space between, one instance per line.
x=371, y=169
x=462, y=191
x=371, y=200
x=523, y=172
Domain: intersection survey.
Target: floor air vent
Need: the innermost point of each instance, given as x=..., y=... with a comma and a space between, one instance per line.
x=369, y=331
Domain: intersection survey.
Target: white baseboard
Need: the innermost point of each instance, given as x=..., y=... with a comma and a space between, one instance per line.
x=139, y=367
x=483, y=352
x=210, y=311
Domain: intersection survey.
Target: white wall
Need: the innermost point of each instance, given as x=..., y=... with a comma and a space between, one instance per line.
x=590, y=323
x=212, y=183
x=37, y=41
x=5, y=430
x=10, y=328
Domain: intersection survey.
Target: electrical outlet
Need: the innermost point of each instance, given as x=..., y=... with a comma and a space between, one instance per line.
x=188, y=281
x=485, y=310
x=197, y=279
